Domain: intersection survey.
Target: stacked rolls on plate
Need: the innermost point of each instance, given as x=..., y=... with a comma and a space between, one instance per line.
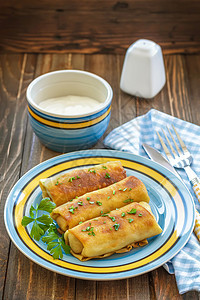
x=100, y=210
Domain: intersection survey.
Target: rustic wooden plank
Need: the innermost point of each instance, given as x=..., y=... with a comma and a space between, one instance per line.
x=111, y=26
x=85, y=289
x=112, y=290
x=139, y=288
x=13, y=73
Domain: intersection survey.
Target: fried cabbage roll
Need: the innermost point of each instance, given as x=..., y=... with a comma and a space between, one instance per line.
x=98, y=202
x=64, y=187
x=115, y=232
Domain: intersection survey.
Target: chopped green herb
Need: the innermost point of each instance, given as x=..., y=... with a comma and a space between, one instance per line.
x=104, y=222
x=71, y=209
x=90, y=229
x=57, y=183
x=110, y=228
x=104, y=215
x=114, y=192
x=95, y=219
x=128, y=200
x=80, y=222
x=124, y=189
x=120, y=189
x=116, y=226
x=107, y=175
x=130, y=189
x=99, y=203
x=123, y=214
x=101, y=211
x=130, y=220
x=104, y=167
x=133, y=211
x=71, y=178
x=80, y=203
x=76, y=197
x=88, y=198
x=108, y=197
x=78, y=177
x=117, y=208
x=92, y=171
x=139, y=215
x=112, y=218
x=91, y=202
x=79, y=185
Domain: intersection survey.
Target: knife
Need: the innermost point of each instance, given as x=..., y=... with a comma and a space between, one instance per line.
x=156, y=156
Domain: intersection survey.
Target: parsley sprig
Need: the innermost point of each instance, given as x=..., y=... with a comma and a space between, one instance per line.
x=45, y=224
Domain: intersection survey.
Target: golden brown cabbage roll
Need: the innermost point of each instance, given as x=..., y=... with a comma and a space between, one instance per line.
x=64, y=187
x=106, y=235
x=94, y=204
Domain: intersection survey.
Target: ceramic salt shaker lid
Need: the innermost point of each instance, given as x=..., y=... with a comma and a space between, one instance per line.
x=143, y=73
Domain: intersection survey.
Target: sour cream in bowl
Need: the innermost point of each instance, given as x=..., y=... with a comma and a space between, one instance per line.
x=69, y=109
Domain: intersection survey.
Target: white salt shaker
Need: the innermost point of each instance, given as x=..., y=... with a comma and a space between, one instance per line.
x=143, y=73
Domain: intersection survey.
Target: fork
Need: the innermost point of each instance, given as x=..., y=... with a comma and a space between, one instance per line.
x=182, y=160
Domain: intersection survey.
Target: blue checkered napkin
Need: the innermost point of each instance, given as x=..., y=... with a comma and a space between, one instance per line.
x=130, y=137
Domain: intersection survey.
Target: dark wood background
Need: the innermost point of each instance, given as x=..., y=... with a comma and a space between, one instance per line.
x=103, y=26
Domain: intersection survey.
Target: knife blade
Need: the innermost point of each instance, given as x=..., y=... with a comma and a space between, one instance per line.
x=156, y=156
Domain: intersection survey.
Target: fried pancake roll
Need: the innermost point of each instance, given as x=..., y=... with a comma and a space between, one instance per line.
x=115, y=232
x=98, y=202
x=64, y=187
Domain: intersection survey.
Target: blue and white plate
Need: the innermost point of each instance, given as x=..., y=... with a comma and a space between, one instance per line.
x=170, y=201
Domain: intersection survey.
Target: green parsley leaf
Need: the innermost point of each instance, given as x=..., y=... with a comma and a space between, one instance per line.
x=46, y=205
x=80, y=203
x=112, y=218
x=88, y=198
x=78, y=177
x=123, y=214
x=114, y=192
x=139, y=215
x=50, y=237
x=104, y=167
x=80, y=222
x=108, y=197
x=26, y=220
x=45, y=219
x=99, y=203
x=36, y=231
x=51, y=245
x=32, y=209
x=57, y=252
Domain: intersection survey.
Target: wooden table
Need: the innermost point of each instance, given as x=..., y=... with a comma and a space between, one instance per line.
x=20, y=150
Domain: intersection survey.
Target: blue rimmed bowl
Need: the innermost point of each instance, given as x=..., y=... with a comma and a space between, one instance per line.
x=64, y=133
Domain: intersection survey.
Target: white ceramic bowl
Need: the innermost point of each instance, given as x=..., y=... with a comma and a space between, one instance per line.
x=65, y=133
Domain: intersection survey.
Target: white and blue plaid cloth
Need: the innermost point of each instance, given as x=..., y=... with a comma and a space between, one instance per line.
x=130, y=137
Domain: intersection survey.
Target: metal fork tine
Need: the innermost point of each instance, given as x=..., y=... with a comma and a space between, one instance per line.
x=175, y=143
x=180, y=140
x=164, y=146
x=173, y=151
